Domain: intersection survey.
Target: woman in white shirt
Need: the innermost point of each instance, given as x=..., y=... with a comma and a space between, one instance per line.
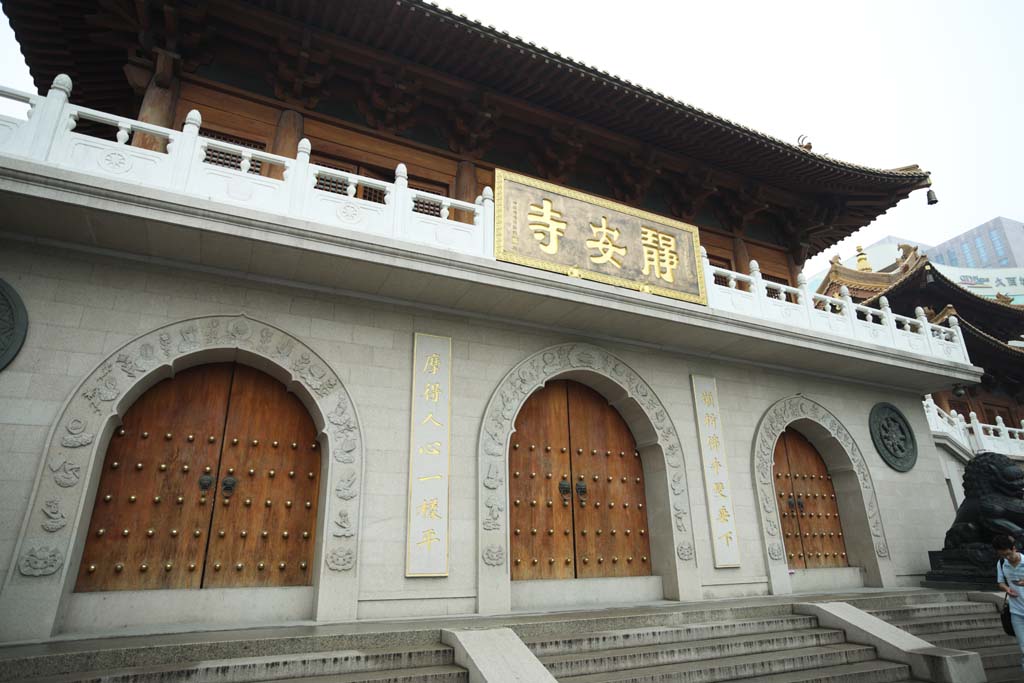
x=1010, y=577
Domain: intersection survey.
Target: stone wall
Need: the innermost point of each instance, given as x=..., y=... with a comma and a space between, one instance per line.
x=82, y=307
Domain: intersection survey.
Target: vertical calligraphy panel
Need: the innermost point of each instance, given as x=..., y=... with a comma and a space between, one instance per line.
x=429, y=457
x=715, y=465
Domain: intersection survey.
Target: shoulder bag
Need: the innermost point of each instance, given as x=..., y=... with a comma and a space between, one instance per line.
x=1004, y=613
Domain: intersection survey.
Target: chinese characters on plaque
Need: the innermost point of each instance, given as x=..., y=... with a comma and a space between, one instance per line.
x=542, y=225
x=429, y=448
x=717, y=486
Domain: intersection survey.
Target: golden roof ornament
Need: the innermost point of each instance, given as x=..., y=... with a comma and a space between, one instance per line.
x=862, y=261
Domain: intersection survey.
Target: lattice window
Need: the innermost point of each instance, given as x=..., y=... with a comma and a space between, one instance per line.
x=776, y=292
x=719, y=262
x=220, y=157
x=426, y=206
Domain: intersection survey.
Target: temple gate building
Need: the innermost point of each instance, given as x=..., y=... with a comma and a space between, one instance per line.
x=350, y=311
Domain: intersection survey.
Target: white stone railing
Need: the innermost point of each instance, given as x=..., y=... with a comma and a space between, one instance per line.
x=330, y=199
x=973, y=435
x=753, y=296
x=223, y=172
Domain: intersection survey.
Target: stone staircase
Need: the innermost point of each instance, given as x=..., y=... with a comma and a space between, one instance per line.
x=766, y=644
x=949, y=619
x=755, y=639
x=296, y=654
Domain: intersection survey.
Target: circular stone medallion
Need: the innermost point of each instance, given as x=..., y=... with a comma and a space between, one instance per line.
x=893, y=437
x=13, y=324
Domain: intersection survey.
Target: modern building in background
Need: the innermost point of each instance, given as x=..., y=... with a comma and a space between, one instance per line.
x=998, y=243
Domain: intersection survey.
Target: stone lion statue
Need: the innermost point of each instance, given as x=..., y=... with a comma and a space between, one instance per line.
x=993, y=504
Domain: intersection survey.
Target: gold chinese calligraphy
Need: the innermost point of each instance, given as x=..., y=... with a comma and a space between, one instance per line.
x=546, y=226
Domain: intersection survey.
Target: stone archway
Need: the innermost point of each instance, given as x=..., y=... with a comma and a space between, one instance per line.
x=865, y=536
x=672, y=545
x=39, y=584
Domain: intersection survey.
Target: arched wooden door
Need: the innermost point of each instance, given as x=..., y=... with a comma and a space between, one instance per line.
x=808, y=509
x=576, y=489
x=212, y=481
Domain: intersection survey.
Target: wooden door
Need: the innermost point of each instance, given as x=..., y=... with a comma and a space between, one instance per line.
x=540, y=517
x=151, y=524
x=596, y=525
x=788, y=513
x=611, y=523
x=808, y=509
x=264, y=532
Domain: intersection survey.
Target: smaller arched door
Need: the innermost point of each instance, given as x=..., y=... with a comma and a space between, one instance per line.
x=212, y=481
x=808, y=508
x=576, y=489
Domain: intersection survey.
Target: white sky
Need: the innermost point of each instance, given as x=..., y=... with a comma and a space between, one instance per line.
x=883, y=83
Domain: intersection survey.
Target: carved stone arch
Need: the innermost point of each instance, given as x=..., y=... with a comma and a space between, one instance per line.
x=855, y=492
x=43, y=572
x=673, y=552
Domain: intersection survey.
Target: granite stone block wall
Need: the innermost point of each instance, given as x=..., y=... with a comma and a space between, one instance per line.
x=84, y=306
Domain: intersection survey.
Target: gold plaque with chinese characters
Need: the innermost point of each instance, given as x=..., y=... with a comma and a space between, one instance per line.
x=546, y=226
x=429, y=457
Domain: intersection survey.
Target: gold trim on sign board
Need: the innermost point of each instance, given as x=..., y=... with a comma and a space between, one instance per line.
x=500, y=176
x=412, y=454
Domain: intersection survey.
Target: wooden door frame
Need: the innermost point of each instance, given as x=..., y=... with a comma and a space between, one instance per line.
x=866, y=545
x=673, y=555
x=37, y=594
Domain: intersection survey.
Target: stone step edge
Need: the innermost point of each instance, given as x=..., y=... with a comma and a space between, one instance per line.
x=382, y=676
x=865, y=652
x=131, y=673
x=797, y=620
x=858, y=669
x=928, y=621
x=697, y=645
x=971, y=606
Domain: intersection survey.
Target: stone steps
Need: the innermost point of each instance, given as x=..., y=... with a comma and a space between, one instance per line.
x=1007, y=674
x=760, y=665
x=963, y=625
x=930, y=611
x=376, y=664
x=923, y=597
x=972, y=639
x=875, y=671
x=579, y=663
x=929, y=626
x=432, y=674
x=999, y=656
x=653, y=635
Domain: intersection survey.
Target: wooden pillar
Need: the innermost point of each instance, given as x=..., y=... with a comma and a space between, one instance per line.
x=159, y=100
x=942, y=400
x=794, y=269
x=290, y=127
x=465, y=188
x=741, y=256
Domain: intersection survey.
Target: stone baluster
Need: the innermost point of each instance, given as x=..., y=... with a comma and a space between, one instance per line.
x=709, y=274
x=49, y=120
x=487, y=221
x=399, y=201
x=978, y=432
x=889, y=322
x=954, y=326
x=925, y=329
x=298, y=180
x=757, y=286
x=1000, y=430
x=930, y=412
x=806, y=298
x=849, y=310
x=184, y=151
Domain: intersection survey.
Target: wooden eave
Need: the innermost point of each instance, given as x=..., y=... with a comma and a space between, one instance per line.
x=452, y=54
